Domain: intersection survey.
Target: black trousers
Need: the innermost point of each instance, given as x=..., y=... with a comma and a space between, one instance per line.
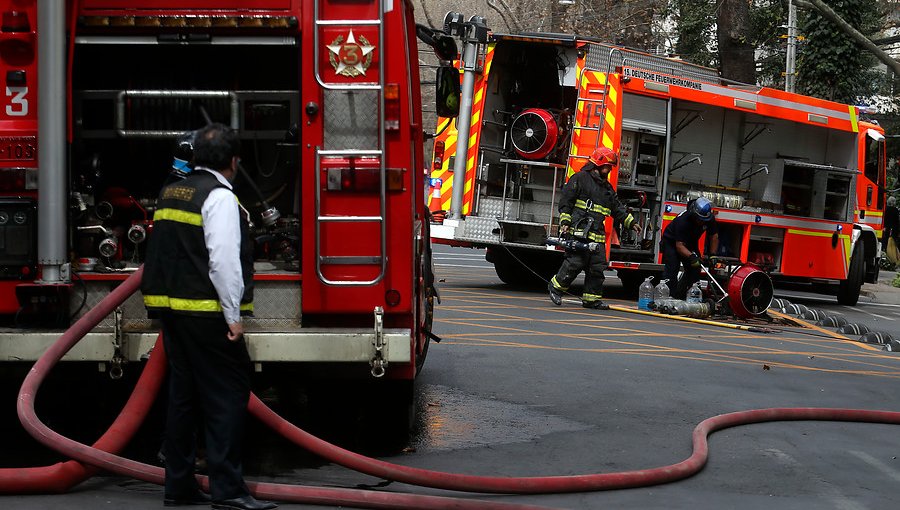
x=672, y=262
x=209, y=383
x=594, y=263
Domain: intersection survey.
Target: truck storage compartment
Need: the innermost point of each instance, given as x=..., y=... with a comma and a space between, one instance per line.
x=765, y=247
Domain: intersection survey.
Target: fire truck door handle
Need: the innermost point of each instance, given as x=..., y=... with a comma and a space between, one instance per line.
x=869, y=195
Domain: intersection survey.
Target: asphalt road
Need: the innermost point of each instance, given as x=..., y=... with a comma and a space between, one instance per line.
x=519, y=387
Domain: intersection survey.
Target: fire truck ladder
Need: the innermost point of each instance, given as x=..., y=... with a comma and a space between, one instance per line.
x=585, y=102
x=377, y=152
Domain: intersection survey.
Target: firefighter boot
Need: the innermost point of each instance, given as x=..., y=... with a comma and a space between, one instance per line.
x=595, y=305
x=555, y=296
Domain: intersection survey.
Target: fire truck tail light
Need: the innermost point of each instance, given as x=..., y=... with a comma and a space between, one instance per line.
x=391, y=107
x=363, y=179
x=438, y=158
x=15, y=21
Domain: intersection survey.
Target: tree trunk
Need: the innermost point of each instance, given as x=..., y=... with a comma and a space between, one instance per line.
x=736, y=54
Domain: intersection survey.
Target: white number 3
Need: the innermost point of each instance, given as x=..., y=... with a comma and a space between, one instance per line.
x=18, y=106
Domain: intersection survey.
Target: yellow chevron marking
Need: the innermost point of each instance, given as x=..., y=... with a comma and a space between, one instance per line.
x=607, y=141
x=610, y=119
x=613, y=95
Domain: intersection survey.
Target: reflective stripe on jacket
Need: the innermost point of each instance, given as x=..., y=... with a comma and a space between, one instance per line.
x=586, y=201
x=176, y=269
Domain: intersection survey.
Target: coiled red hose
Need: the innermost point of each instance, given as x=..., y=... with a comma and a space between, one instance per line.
x=152, y=474
x=62, y=476
x=416, y=476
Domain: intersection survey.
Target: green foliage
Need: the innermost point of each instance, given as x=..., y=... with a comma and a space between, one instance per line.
x=695, y=29
x=830, y=64
x=767, y=19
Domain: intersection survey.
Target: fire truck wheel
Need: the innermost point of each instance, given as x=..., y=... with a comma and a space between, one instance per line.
x=525, y=268
x=848, y=290
x=426, y=328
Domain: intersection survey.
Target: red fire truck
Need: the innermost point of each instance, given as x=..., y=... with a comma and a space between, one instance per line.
x=798, y=182
x=325, y=96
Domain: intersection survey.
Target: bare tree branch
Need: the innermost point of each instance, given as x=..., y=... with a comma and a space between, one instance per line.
x=864, y=41
x=493, y=5
x=515, y=23
x=427, y=14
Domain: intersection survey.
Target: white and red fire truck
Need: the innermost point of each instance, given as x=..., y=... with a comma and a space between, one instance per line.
x=798, y=182
x=325, y=96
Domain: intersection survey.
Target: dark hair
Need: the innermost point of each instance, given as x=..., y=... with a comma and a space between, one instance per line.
x=215, y=145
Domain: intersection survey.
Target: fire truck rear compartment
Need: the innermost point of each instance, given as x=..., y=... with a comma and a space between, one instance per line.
x=131, y=100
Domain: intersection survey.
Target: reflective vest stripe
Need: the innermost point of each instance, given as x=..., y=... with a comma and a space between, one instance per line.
x=179, y=216
x=597, y=237
x=591, y=297
x=581, y=204
x=189, y=305
x=565, y=217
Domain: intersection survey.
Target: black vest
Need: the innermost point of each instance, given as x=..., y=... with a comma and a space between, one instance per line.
x=176, y=269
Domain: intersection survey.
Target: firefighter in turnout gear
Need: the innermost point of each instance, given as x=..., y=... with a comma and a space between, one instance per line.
x=586, y=200
x=680, y=244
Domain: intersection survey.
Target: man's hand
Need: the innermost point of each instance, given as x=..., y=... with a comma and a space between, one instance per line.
x=694, y=260
x=636, y=227
x=235, y=331
x=563, y=229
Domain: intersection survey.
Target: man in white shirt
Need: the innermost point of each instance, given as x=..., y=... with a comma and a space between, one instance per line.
x=198, y=278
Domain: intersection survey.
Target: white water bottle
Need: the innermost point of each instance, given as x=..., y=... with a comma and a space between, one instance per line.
x=695, y=295
x=645, y=294
x=661, y=292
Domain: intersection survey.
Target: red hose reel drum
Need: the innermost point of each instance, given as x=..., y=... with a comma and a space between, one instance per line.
x=750, y=292
x=534, y=133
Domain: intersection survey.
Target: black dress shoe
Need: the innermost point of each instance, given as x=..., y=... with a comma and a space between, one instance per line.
x=198, y=498
x=247, y=502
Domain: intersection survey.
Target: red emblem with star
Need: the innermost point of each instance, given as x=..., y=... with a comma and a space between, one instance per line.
x=349, y=57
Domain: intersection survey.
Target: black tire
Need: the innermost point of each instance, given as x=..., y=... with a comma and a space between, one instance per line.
x=429, y=319
x=848, y=290
x=529, y=269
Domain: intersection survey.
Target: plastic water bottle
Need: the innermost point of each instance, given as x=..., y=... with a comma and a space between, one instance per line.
x=695, y=295
x=645, y=294
x=661, y=292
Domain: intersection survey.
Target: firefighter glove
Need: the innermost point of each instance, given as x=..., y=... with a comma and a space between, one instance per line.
x=563, y=229
x=712, y=260
x=694, y=260
x=636, y=227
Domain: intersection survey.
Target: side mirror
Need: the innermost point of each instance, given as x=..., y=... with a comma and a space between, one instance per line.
x=447, y=92
x=444, y=46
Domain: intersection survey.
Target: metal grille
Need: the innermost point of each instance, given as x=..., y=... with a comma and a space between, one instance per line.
x=351, y=119
x=276, y=307
x=491, y=207
x=134, y=315
x=599, y=59
x=481, y=229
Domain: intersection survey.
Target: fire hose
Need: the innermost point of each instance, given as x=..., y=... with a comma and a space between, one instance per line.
x=374, y=467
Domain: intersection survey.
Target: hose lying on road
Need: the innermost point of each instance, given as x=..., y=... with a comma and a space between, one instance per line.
x=62, y=476
x=374, y=467
x=152, y=474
